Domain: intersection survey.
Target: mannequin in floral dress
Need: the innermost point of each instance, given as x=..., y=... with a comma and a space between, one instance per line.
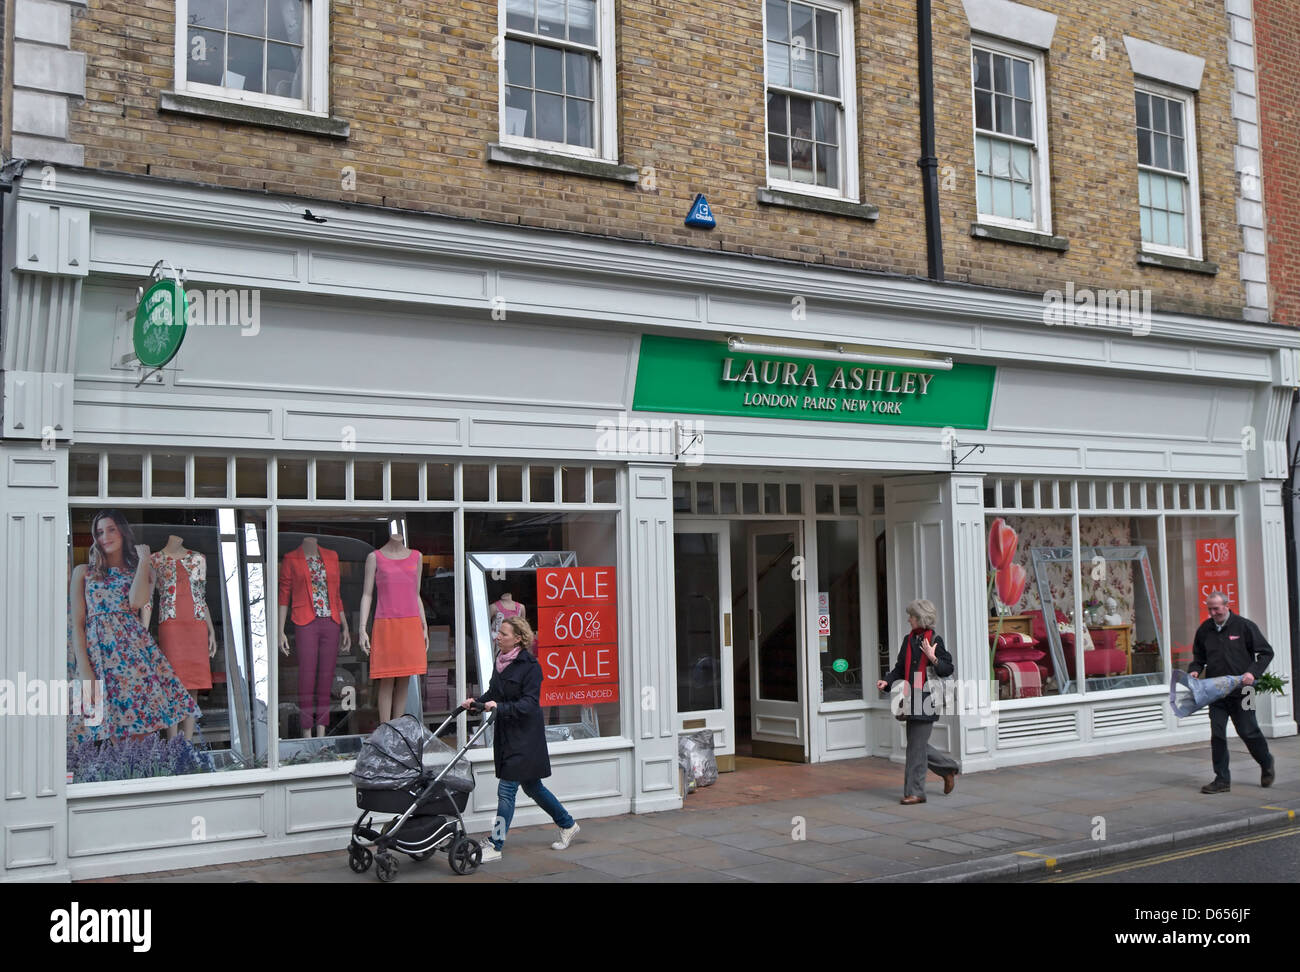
x=185, y=631
x=140, y=691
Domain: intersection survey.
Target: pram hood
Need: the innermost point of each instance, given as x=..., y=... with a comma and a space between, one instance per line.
x=399, y=753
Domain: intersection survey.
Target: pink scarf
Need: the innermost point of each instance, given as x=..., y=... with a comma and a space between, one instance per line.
x=504, y=658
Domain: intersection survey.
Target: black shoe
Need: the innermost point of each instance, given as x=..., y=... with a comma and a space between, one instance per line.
x=1266, y=777
x=1216, y=786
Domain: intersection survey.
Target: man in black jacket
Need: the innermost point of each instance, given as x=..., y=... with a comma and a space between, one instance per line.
x=1228, y=644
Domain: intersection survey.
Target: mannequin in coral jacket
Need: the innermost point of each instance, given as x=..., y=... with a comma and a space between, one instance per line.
x=309, y=588
x=185, y=632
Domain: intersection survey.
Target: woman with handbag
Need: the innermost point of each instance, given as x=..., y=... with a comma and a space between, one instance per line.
x=922, y=651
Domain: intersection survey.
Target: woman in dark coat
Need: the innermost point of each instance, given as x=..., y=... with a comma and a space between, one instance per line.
x=519, y=735
x=922, y=650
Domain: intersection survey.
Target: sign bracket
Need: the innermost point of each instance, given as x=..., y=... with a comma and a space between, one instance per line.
x=969, y=452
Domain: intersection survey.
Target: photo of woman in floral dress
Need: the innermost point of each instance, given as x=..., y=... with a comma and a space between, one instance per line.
x=140, y=691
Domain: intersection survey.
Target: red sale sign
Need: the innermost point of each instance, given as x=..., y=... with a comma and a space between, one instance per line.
x=1216, y=570
x=577, y=636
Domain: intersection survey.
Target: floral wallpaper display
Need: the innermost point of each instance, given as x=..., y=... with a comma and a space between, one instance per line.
x=1094, y=531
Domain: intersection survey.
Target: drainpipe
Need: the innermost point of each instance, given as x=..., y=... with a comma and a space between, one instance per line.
x=928, y=164
x=1289, y=501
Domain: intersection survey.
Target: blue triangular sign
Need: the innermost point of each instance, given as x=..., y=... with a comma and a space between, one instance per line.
x=701, y=215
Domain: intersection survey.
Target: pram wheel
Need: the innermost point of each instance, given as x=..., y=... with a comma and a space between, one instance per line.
x=422, y=856
x=386, y=867
x=359, y=858
x=465, y=855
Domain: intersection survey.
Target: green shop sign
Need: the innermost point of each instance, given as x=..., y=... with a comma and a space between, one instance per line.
x=706, y=378
x=159, y=323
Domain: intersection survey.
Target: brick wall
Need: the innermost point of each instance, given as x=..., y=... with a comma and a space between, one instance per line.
x=418, y=84
x=1277, y=46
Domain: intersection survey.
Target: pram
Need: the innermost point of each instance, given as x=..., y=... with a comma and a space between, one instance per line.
x=404, y=769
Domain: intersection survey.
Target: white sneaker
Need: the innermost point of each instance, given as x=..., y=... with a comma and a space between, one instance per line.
x=566, y=837
x=489, y=854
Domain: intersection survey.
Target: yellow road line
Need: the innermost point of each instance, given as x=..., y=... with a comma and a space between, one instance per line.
x=1051, y=861
x=1290, y=813
x=1167, y=858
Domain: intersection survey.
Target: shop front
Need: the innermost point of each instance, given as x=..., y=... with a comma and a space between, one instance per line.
x=404, y=430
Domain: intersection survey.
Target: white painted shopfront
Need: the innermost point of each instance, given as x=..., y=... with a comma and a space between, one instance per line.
x=477, y=385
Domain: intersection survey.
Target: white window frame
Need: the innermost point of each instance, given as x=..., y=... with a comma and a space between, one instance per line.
x=315, y=100
x=605, y=138
x=1040, y=156
x=1192, y=210
x=848, y=188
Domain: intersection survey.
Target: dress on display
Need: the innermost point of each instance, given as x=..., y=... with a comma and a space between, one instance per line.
x=311, y=586
x=182, y=616
x=141, y=692
x=397, y=645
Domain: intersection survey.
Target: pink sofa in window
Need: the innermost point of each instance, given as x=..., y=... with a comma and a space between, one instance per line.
x=1104, y=659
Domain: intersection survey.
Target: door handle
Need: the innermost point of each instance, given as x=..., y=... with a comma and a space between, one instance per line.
x=726, y=630
x=758, y=623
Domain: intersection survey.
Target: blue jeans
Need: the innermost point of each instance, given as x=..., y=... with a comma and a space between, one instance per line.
x=544, y=798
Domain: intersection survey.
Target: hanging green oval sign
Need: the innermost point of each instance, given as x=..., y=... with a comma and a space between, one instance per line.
x=159, y=323
x=840, y=665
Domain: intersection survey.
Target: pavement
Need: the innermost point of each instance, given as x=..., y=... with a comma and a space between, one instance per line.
x=841, y=822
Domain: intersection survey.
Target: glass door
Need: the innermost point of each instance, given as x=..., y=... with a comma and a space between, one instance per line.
x=702, y=565
x=777, y=721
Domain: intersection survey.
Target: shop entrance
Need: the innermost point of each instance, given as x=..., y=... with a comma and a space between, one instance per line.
x=740, y=637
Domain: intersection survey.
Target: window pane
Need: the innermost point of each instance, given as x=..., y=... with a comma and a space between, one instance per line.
x=982, y=71
x=1160, y=227
x=510, y=484
x=793, y=498
x=1020, y=162
x=1158, y=184
x=1161, y=145
x=983, y=109
x=541, y=484
x=577, y=74
x=828, y=80
x=439, y=480
x=982, y=154
x=209, y=476
x=1022, y=202
x=1144, y=148
x=704, y=498
x=550, y=117
x=291, y=479
x=828, y=166
x=700, y=611
x=519, y=112
x=1176, y=190
x=578, y=130
x=1176, y=160
x=168, y=476
x=1177, y=231
x=284, y=21
x=248, y=17
x=550, y=69
x=801, y=25
x=801, y=161
x=284, y=70
x=848, y=499
x=368, y=480
x=1175, y=118
x=801, y=117
x=984, y=194
x=405, y=480
x=474, y=482
x=771, y=498
x=776, y=151
x=550, y=18
x=1006, y=119
x=250, y=478
x=778, y=64
x=1020, y=74
x=582, y=21
x=1001, y=160
x=1159, y=114
x=1024, y=119
x=1001, y=74
x=1144, y=219
x=519, y=63
x=244, y=63
x=83, y=473
x=824, y=498
x=827, y=118
x=777, y=28
x=1144, y=189
x=1002, y=198
x=1143, y=110
x=126, y=475
x=803, y=69
x=207, y=57
x=682, y=494
x=776, y=110
x=331, y=476
x=828, y=38
x=749, y=494
x=207, y=13
x=604, y=486
x=573, y=481
x=519, y=14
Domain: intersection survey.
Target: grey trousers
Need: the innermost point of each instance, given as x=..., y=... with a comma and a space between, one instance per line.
x=921, y=754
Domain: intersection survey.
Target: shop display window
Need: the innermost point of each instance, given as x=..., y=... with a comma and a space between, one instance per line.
x=1202, y=552
x=166, y=615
